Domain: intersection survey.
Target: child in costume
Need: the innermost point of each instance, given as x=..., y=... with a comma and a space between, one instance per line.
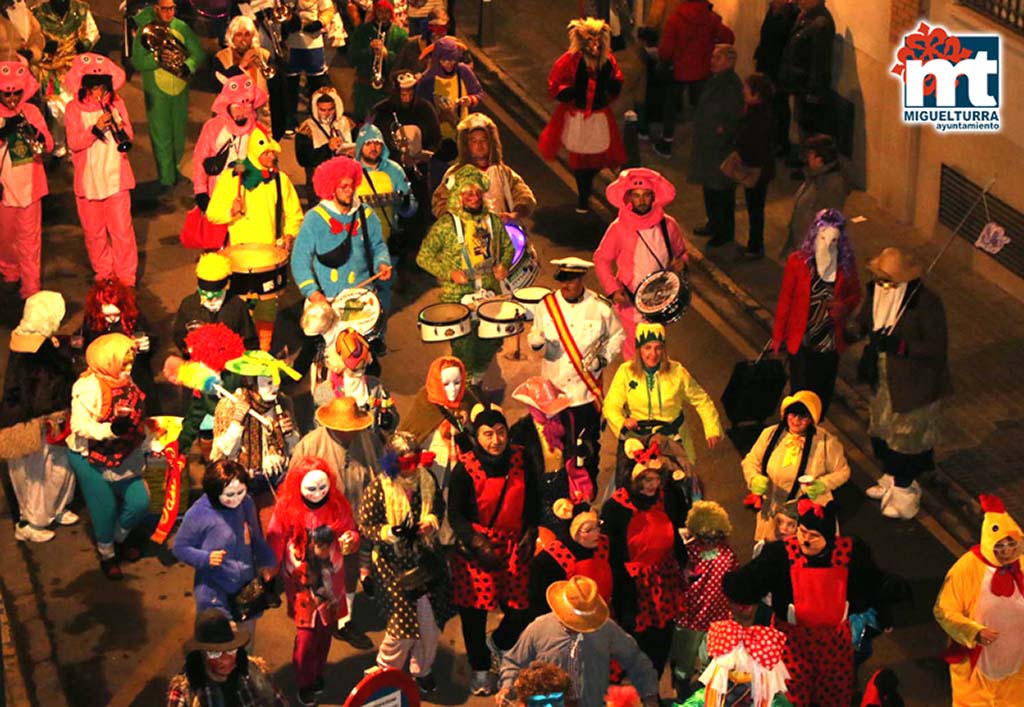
x=981, y=608
x=311, y=499
x=99, y=134
x=709, y=557
x=106, y=448
x=23, y=138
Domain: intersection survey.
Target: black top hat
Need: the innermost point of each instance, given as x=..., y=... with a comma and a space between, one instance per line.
x=214, y=633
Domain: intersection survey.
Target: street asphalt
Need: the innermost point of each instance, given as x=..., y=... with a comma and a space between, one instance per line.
x=119, y=643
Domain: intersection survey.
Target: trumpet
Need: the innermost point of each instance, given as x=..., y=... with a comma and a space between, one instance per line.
x=269, y=71
x=158, y=40
x=377, y=80
x=124, y=143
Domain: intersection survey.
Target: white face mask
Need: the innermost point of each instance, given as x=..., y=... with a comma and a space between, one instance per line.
x=266, y=388
x=451, y=381
x=315, y=486
x=111, y=313
x=233, y=494
x=826, y=253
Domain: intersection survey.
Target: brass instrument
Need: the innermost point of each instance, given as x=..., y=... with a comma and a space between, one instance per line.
x=377, y=80
x=158, y=40
x=28, y=133
x=281, y=13
x=120, y=135
x=401, y=142
x=269, y=71
x=271, y=21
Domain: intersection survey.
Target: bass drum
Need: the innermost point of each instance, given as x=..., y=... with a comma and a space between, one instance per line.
x=662, y=297
x=258, y=271
x=525, y=266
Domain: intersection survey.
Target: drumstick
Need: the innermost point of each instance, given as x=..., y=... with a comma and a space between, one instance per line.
x=367, y=281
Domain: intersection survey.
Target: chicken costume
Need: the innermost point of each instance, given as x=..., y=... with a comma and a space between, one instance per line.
x=22, y=180
x=981, y=592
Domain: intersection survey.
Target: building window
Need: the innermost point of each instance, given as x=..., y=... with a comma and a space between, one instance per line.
x=1009, y=13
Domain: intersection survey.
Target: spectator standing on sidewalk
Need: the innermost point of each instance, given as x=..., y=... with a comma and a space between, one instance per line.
x=806, y=69
x=907, y=363
x=584, y=81
x=824, y=187
x=775, y=30
x=820, y=290
x=754, y=143
x=687, y=43
x=718, y=113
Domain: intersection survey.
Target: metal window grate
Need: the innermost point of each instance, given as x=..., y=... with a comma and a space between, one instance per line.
x=1009, y=13
x=956, y=195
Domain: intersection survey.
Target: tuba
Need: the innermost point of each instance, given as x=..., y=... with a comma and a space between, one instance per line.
x=158, y=40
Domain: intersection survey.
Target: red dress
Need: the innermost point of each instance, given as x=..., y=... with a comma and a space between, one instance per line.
x=475, y=587
x=652, y=565
x=565, y=75
x=819, y=647
x=597, y=567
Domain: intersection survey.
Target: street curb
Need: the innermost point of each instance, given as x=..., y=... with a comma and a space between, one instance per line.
x=959, y=513
x=30, y=671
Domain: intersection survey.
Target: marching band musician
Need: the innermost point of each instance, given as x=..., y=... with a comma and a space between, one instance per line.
x=416, y=116
x=384, y=185
x=305, y=42
x=326, y=133
x=259, y=204
x=642, y=240
x=69, y=29
x=375, y=45
x=165, y=76
x=20, y=33
x=449, y=84
x=480, y=145
x=245, y=55
x=99, y=134
x=224, y=138
x=580, y=335
x=340, y=243
x=469, y=252
x=22, y=177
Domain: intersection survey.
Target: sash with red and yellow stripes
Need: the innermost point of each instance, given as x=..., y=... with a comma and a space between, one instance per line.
x=572, y=350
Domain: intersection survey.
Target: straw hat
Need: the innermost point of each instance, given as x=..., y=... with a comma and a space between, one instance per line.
x=895, y=265
x=342, y=414
x=577, y=604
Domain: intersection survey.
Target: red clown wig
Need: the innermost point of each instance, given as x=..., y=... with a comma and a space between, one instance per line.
x=110, y=291
x=329, y=174
x=292, y=508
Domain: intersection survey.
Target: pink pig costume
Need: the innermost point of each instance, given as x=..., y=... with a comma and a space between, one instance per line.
x=103, y=175
x=634, y=245
x=24, y=183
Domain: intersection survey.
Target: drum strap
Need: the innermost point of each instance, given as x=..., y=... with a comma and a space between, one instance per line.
x=494, y=243
x=383, y=210
x=278, y=206
x=571, y=348
x=668, y=246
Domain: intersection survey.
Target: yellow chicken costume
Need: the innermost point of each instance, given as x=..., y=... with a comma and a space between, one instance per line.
x=980, y=592
x=259, y=189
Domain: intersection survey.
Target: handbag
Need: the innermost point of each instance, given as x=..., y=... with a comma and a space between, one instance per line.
x=215, y=164
x=419, y=580
x=733, y=168
x=200, y=234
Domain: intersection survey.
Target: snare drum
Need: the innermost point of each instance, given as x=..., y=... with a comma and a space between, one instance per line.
x=500, y=318
x=530, y=297
x=443, y=322
x=662, y=297
x=525, y=265
x=258, y=271
x=359, y=308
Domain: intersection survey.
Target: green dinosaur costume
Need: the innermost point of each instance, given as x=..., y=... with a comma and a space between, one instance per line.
x=166, y=95
x=486, y=242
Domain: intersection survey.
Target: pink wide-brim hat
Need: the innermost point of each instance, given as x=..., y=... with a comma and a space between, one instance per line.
x=542, y=394
x=640, y=178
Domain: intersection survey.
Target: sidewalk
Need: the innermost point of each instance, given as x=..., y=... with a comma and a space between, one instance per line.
x=982, y=443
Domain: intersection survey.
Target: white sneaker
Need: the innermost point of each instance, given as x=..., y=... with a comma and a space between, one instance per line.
x=482, y=684
x=67, y=518
x=902, y=503
x=885, y=482
x=26, y=533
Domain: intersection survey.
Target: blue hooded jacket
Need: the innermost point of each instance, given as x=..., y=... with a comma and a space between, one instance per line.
x=368, y=133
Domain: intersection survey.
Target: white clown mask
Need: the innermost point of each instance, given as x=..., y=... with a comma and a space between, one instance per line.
x=266, y=388
x=233, y=494
x=451, y=381
x=826, y=252
x=111, y=314
x=315, y=486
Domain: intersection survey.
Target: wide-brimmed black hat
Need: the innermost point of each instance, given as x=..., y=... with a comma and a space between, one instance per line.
x=214, y=633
